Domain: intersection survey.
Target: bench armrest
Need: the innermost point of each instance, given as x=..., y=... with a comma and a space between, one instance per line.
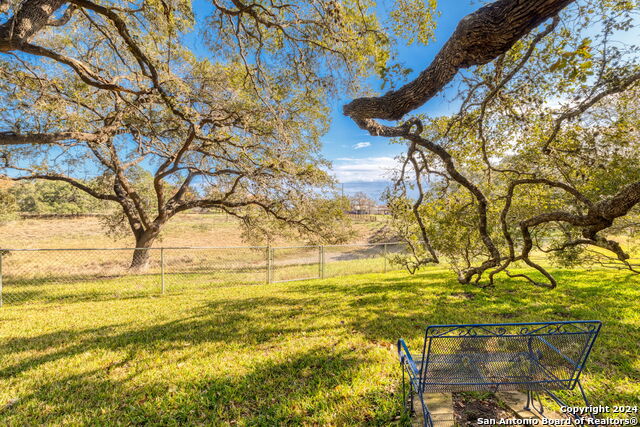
x=406, y=359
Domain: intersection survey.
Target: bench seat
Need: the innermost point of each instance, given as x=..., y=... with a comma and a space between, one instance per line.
x=472, y=371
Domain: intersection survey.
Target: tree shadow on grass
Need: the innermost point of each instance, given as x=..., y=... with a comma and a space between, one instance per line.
x=59, y=292
x=437, y=298
x=390, y=308
x=305, y=389
x=241, y=322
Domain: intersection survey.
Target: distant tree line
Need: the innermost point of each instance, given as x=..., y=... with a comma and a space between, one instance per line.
x=45, y=198
x=59, y=198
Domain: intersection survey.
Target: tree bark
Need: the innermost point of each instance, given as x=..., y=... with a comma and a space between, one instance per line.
x=32, y=16
x=11, y=138
x=141, y=255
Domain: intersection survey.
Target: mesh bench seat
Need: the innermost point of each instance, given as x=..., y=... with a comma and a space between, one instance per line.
x=480, y=372
x=531, y=357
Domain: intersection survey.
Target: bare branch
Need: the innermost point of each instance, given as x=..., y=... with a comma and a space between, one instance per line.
x=64, y=19
x=68, y=180
x=620, y=86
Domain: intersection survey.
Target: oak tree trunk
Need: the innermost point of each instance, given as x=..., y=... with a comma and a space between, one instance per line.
x=141, y=255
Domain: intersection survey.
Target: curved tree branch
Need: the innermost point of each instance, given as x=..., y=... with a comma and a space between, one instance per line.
x=79, y=185
x=479, y=38
x=618, y=87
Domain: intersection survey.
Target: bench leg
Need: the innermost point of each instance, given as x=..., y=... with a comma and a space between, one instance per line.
x=412, y=410
x=574, y=416
x=407, y=401
x=531, y=403
x=404, y=393
x=426, y=415
x=414, y=389
x=584, y=396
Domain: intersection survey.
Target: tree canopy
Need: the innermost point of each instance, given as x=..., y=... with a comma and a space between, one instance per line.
x=93, y=91
x=543, y=153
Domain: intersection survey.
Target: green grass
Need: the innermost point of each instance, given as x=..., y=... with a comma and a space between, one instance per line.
x=300, y=353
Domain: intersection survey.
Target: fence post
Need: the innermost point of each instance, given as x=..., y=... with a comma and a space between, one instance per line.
x=1, y=278
x=384, y=255
x=269, y=260
x=162, y=268
x=321, y=263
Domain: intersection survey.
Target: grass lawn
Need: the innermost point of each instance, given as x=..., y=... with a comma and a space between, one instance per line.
x=318, y=352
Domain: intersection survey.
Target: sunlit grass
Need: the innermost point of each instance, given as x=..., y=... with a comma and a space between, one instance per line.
x=315, y=353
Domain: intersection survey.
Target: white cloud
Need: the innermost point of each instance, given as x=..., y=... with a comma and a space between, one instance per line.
x=368, y=169
x=360, y=145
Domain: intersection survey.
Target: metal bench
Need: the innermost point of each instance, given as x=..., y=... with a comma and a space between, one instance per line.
x=531, y=357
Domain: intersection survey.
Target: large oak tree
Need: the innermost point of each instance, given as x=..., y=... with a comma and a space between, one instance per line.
x=543, y=153
x=92, y=92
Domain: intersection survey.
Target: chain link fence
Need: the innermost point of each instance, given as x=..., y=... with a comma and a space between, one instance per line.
x=57, y=275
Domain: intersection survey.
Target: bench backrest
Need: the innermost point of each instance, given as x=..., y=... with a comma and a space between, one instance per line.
x=495, y=356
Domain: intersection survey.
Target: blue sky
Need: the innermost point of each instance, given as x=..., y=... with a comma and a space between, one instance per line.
x=362, y=162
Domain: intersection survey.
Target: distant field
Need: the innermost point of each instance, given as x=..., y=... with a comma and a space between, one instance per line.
x=99, y=274
x=183, y=230
x=57, y=276
x=318, y=352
